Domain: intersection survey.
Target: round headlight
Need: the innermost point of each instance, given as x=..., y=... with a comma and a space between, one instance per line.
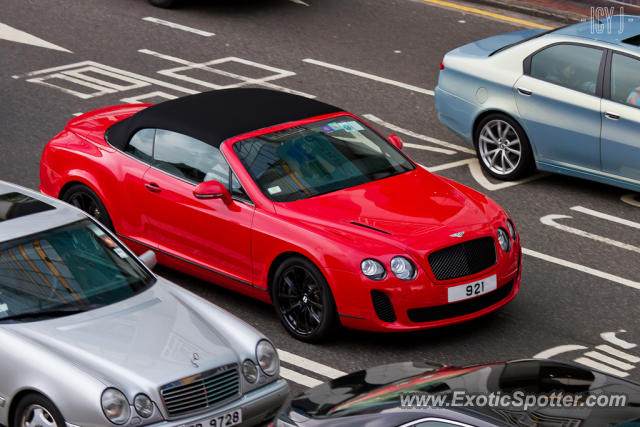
x=250, y=371
x=373, y=269
x=503, y=239
x=512, y=230
x=267, y=357
x=143, y=405
x=403, y=268
x=115, y=406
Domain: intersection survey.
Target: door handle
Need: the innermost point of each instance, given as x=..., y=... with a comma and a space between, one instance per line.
x=612, y=116
x=153, y=187
x=525, y=92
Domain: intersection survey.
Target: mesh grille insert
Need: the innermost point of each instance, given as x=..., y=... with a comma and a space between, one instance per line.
x=464, y=259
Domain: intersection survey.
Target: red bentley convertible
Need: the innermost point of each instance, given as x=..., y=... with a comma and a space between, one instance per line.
x=291, y=201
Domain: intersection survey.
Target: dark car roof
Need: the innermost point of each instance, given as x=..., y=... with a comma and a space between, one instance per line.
x=215, y=116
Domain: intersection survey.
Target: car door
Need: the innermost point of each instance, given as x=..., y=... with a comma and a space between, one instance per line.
x=205, y=232
x=558, y=98
x=621, y=117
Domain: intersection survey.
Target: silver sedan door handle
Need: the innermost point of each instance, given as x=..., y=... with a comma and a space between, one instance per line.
x=525, y=92
x=612, y=116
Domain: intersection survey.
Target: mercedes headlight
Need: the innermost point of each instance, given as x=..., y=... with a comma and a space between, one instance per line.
x=267, y=357
x=403, y=268
x=373, y=269
x=249, y=371
x=504, y=240
x=143, y=405
x=512, y=230
x=115, y=406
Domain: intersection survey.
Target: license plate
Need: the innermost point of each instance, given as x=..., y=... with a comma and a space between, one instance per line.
x=473, y=289
x=227, y=419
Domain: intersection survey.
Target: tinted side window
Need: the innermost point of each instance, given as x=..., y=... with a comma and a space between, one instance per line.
x=189, y=158
x=141, y=145
x=625, y=80
x=571, y=66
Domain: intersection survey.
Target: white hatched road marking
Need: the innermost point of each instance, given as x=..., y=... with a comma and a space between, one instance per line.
x=18, y=36
x=310, y=365
x=550, y=221
x=606, y=216
x=554, y=351
x=609, y=360
x=428, y=148
x=178, y=26
x=631, y=199
x=582, y=268
x=620, y=354
x=299, y=378
x=207, y=66
x=611, y=338
x=368, y=76
x=600, y=366
x=436, y=141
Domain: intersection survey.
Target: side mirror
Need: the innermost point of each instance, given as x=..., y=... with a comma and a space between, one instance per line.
x=395, y=140
x=212, y=190
x=148, y=258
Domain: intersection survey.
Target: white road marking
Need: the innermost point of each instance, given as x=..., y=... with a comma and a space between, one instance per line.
x=243, y=80
x=428, y=148
x=140, y=98
x=310, y=365
x=550, y=221
x=609, y=360
x=299, y=378
x=606, y=216
x=178, y=26
x=369, y=76
x=412, y=134
x=630, y=199
x=18, y=36
x=77, y=114
x=552, y=352
x=299, y=2
x=582, y=268
x=620, y=354
x=446, y=166
x=610, y=337
x=600, y=366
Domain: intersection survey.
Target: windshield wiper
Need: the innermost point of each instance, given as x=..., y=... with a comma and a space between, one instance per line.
x=58, y=312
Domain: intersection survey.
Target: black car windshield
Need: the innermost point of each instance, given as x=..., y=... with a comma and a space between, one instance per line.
x=66, y=270
x=321, y=157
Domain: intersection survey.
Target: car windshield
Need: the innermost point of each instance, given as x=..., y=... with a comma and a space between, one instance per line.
x=66, y=270
x=321, y=157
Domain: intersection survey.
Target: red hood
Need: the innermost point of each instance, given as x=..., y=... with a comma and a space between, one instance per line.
x=405, y=208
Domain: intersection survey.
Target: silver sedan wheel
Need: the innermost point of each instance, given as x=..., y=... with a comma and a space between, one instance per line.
x=37, y=416
x=500, y=147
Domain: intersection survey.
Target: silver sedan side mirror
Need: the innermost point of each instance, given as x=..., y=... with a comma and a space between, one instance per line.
x=149, y=259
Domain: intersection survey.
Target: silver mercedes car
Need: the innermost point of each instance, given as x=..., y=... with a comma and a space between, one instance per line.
x=90, y=337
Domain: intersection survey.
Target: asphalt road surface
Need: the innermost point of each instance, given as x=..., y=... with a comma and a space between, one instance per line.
x=581, y=279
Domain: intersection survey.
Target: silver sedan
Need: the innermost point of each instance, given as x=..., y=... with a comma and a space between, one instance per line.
x=90, y=337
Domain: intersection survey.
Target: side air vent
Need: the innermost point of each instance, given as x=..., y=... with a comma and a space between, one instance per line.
x=382, y=305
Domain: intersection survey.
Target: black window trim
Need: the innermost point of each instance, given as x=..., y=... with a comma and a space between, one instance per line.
x=608, y=78
x=600, y=79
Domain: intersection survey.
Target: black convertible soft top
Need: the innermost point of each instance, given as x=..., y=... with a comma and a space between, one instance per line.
x=215, y=116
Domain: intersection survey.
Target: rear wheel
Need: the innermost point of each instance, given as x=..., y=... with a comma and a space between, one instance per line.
x=503, y=148
x=303, y=300
x=35, y=410
x=84, y=198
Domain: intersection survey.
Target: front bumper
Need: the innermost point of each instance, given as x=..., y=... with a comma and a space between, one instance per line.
x=415, y=304
x=258, y=407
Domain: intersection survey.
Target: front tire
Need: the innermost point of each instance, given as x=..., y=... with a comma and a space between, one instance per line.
x=303, y=300
x=84, y=198
x=503, y=148
x=35, y=410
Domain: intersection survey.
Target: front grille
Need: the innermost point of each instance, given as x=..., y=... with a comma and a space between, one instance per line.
x=463, y=259
x=383, y=307
x=449, y=311
x=201, y=391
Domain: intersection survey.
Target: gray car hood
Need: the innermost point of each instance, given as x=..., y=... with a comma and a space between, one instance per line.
x=145, y=341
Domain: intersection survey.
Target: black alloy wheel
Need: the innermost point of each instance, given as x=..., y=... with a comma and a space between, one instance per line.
x=303, y=300
x=84, y=198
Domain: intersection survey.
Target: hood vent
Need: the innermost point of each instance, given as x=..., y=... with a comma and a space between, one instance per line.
x=370, y=228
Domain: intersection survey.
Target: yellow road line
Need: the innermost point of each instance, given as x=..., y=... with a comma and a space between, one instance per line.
x=489, y=14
